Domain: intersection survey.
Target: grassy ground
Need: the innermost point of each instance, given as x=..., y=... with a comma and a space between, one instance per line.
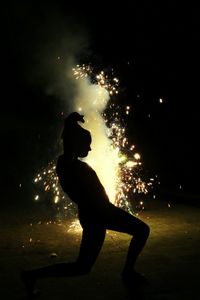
x=170, y=259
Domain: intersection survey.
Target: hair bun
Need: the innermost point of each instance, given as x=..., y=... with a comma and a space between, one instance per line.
x=71, y=125
x=73, y=118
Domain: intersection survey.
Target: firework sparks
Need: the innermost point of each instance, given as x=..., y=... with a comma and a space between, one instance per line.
x=49, y=187
x=103, y=81
x=81, y=71
x=117, y=165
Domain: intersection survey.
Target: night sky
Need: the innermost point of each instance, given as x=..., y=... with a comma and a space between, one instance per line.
x=153, y=50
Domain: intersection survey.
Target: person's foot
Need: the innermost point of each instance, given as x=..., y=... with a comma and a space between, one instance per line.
x=29, y=282
x=133, y=277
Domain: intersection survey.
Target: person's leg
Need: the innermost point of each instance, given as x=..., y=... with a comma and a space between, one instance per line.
x=92, y=240
x=121, y=221
x=91, y=244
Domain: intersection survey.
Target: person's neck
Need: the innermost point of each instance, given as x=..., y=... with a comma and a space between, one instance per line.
x=69, y=156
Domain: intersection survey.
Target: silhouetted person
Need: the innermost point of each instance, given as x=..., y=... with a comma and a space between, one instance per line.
x=96, y=214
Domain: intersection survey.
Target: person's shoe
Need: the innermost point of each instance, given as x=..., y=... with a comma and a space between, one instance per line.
x=29, y=283
x=133, y=277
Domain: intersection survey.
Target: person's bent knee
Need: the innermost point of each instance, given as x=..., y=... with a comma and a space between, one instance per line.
x=143, y=231
x=84, y=269
x=146, y=230
x=87, y=269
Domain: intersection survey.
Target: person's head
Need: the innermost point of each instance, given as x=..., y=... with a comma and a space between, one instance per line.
x=76, y=140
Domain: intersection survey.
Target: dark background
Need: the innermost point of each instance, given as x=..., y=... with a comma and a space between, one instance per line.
x=153, y=50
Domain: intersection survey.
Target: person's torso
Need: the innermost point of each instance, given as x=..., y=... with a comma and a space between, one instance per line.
x=80, y=182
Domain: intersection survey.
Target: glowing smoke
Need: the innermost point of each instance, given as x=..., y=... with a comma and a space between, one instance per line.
x=92, y=100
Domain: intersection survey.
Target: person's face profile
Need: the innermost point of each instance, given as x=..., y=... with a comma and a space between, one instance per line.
x=83, y=149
